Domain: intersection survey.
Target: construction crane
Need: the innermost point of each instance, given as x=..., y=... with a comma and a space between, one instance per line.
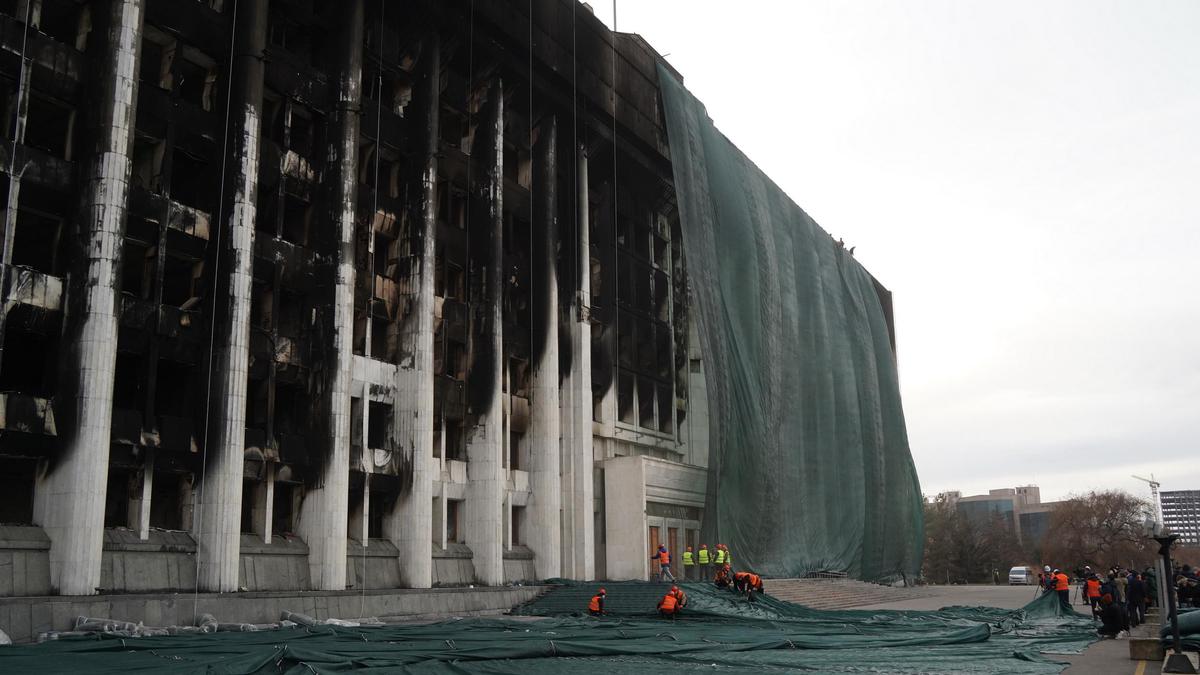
x=1153, y=495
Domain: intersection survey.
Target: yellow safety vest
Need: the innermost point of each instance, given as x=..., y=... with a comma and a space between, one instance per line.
x=687, y=559
x=704, y=560
x=720, y=556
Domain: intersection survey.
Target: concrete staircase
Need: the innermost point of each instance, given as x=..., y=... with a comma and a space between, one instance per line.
x=837, y=593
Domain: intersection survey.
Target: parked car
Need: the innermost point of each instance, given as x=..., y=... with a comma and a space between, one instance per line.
x=1022, y=575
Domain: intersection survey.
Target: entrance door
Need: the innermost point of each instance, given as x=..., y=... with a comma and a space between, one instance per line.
x=654, y=542
x=676, y=553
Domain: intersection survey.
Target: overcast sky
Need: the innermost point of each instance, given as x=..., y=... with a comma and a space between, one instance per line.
x=1024, y=176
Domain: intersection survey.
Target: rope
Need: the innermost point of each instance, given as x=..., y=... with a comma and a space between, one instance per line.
x=212, y=329
x=532, y=276
x=575, y=166
x=616, y=207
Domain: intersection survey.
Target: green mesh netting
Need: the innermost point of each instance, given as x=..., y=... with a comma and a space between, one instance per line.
x=809, y=467
x=718, y=632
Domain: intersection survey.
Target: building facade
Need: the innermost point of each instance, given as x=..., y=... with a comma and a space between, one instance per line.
x=304, y=295
x=1020, y=508
x=1181, y=514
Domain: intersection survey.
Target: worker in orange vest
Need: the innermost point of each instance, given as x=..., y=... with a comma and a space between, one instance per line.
x=663, y=556
x=749, y=584
x=596, y=606
x=1062, y=586
x=1093, y=593
x=721, y=580
x=680, y=597
x=668, y=606
x=739, y=581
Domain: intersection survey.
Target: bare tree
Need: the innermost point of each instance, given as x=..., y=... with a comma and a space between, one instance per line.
x=961, y=550
x=1100, y=529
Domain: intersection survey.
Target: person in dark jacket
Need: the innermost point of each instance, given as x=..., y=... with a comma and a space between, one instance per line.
x=1113, y=620
x=1135, y=596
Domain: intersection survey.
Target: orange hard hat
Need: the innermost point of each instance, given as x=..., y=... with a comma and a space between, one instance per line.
x=689, y=548
x=703, y=545
x=603, y=592
x=674, y=588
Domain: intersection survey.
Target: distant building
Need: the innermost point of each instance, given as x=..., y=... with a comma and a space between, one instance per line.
x=1181, y=514
x=1020, y=507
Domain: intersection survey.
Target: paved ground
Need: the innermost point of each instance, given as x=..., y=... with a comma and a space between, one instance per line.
x=1107, y=657
x=1008, y=597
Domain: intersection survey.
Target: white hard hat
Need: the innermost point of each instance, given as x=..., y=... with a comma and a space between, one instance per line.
x=1046, y=568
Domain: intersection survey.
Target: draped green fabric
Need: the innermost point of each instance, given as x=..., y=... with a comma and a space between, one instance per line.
x=809, y=466
x=718, y=631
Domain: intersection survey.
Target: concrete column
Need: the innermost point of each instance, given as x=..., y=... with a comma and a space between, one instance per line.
x=485, y=470
x=409, y=525
x=626, y=546
x=69, y=501
x=323, y=513
x=24, y=10
x=262, y=511
x=144, y=497
x=544, y=536
x=218, y=526
x=579, y=538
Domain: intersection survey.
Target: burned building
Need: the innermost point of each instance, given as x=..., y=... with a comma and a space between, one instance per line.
x=324, y=295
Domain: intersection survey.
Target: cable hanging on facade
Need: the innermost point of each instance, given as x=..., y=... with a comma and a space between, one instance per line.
x=366, y=403
x=212, y=329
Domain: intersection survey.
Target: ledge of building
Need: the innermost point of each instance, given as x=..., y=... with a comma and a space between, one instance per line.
x=518, y=552
x=159, y=541
x=453, y=550
x=281, y=544
x=23, y=537
x=28, y=616
x=375, y=548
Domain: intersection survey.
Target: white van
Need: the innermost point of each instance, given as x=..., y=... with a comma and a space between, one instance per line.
x=1022, y=575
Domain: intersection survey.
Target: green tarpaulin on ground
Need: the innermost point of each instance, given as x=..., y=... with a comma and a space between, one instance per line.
x=719, y=632
x=809, y=467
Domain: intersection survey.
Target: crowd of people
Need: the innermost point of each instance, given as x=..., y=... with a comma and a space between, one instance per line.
x=1117, y=598
x=1187, y=585
x=696, y=564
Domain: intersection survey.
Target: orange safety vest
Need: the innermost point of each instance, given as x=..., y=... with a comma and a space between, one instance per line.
x=668, y=603
x=594, y=605
x=664, y=558
x=681, y=597
x=741, y=575
x=1093, y=588
x=1061, y=583
x=755, y=581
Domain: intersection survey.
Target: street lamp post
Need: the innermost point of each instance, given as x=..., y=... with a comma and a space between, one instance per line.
x=1176, y=661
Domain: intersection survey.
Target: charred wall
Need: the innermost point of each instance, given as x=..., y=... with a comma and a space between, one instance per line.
x=568, y=87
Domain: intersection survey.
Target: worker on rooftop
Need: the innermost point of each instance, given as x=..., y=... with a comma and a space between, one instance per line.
x=704, y=560
x=689, y=563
